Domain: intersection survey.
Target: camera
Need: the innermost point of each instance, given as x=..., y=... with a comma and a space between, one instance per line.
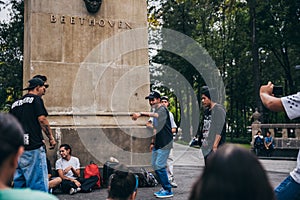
x=277, y=90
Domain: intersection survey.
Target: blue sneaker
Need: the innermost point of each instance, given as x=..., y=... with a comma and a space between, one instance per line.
x=157, y=193
x=165, y=194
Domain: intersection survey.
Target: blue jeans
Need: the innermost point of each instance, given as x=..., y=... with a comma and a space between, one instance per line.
x=159, y=163
x=32, y=170
x=288, y=189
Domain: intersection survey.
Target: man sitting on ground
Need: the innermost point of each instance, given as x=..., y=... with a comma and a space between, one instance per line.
x=68, y=168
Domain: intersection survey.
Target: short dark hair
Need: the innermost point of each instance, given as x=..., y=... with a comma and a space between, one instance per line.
x=67, y=147
x=236, y=174
x=122, y=183
x=164, y=98
x=11, y=136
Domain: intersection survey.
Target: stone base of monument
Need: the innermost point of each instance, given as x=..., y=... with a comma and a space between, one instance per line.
x=130, y=146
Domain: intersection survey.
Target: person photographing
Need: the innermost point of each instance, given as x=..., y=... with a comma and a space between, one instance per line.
x=290, y=187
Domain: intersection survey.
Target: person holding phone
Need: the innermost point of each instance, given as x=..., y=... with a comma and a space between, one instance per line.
x=290, y=187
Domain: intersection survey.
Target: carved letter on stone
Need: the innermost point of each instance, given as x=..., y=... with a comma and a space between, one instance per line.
x=52, y=18
x=93, y=5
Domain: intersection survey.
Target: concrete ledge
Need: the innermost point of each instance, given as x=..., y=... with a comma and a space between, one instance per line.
x=278, y=158
x=279, y=154
x=286, y=152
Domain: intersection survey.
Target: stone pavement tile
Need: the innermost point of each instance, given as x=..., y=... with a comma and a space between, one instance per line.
x=281, y=166
x=185, y=177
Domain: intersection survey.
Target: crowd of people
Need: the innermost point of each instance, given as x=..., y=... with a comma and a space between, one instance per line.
x=232, y=171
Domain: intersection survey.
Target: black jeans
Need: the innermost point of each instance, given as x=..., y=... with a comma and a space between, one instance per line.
x=207, y=157
x=87, y=184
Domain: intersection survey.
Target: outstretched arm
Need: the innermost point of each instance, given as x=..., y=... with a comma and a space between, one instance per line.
x=135, y=116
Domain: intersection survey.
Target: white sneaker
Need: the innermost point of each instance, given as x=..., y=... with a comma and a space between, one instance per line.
x=72, y=191
x=173, y=183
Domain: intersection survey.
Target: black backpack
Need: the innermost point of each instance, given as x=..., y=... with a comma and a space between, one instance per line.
x=146, y=179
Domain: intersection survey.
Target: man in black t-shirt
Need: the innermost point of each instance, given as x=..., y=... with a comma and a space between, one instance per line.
x=32, y=114
x=162, y=142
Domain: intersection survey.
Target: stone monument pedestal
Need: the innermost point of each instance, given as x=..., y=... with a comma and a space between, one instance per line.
x=97, y=69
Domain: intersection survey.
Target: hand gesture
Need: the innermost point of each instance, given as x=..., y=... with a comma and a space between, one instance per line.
x=52, y=143
x=135, y=116
x=66, y=170
x=268, y=89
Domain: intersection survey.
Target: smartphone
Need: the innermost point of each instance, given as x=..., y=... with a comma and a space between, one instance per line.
x=277, y=90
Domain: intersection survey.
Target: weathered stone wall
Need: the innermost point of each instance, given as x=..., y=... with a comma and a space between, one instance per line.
x=97, y=69
x=129, y=145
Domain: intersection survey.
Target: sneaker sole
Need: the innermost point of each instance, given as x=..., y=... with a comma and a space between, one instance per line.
x=165, y=196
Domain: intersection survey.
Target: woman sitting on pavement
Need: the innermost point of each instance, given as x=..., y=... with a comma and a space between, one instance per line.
x=233, y=173
x=122, y=184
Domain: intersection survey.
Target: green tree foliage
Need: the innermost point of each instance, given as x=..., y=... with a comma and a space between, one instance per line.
x=11, y=55
x=278, y=25
x=179, y=18
x=224, y=29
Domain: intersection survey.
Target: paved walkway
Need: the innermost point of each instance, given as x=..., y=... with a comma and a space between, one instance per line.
x=188, y=166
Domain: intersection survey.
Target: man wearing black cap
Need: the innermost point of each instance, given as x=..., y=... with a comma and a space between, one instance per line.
x=32, y=114
x=44, y=78
x=162, y=142
x=213, y=130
